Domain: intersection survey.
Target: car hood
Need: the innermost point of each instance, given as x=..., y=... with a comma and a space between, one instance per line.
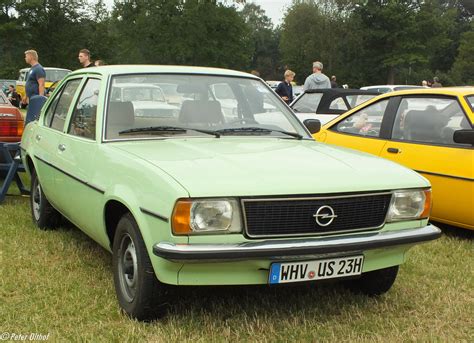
x=248, y=166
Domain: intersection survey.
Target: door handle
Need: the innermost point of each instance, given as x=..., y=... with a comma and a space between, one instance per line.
x=61, y=147
x=38, y=138
x=394, y=150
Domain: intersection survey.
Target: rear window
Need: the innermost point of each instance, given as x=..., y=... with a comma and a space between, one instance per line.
x=56, y=75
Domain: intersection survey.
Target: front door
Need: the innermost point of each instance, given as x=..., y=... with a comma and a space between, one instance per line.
x=422, y=139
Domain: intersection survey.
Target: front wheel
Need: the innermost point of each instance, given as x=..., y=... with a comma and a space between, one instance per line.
x=44, y=215
x=139, y=292
x=374, y=283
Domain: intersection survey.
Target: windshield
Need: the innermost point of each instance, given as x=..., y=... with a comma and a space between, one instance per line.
x=55, y=75
x=230, y=105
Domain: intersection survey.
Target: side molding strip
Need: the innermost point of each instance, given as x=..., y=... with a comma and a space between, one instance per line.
x=95, y=188
x=154, y=214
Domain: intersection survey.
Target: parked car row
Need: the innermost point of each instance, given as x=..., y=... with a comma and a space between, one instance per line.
x=230, y=189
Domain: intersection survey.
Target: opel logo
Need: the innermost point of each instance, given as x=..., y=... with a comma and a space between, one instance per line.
x=324, y=215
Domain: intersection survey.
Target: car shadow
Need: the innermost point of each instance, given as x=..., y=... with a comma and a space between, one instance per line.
x=454, y=231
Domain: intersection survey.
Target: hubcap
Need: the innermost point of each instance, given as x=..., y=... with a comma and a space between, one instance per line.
x=36, y=203
x=127, y=268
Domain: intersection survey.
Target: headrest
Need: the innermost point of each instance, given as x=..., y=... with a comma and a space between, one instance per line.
x=120, y=114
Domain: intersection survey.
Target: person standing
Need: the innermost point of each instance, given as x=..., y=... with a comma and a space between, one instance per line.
x=317, y=80
x=285, y=89
x=436, y=83
x=36, y=76
x=333, y=82
x=85, y=58
x=13, y=96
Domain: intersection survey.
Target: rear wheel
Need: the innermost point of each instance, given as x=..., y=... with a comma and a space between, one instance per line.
x=44, y=215
x=374, y=283
x=139, y=292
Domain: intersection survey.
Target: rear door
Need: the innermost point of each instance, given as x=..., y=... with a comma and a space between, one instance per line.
x=422, y=139
x=48, y=135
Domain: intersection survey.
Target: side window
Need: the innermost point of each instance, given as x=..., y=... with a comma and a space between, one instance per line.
x=365, y=122
x=49, y=112
x=84, y=116
x=429, y=120
x=338, y=104
x=64, y=102
x=308, y=102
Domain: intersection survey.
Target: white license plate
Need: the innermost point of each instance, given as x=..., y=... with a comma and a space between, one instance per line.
x=315, y=270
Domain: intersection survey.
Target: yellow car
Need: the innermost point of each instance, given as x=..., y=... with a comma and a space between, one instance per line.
x=53, y=75
x=428, y=130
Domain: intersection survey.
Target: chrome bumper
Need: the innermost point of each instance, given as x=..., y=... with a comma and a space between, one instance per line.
x=276, y=249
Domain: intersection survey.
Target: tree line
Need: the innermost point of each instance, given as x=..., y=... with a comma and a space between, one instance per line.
x=363, y=42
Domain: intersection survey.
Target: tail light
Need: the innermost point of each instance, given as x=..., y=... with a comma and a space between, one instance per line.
x=11, y=128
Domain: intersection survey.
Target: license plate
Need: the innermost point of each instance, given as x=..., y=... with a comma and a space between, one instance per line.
x=315, y=270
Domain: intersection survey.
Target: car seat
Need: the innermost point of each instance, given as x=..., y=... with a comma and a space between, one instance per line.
x=204, y=112
x=424, y=126
x=120, y=116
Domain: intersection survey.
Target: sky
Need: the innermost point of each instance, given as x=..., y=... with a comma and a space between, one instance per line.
x=274, y=8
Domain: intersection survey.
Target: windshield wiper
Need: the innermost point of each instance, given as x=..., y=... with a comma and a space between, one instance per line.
x=168, y=129
x=258, y=130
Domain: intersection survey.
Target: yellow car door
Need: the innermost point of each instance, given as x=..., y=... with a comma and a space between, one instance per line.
x=362, y=130
x=422, y=139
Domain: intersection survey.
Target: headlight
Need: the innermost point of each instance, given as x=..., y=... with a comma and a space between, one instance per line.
x=409, y=205
x=206, y=216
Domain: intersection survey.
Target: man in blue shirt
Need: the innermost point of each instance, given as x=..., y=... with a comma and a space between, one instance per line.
x=285, y=89
x=36, y=76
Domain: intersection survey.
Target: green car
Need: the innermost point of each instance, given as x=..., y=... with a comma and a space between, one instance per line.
x=230, y=189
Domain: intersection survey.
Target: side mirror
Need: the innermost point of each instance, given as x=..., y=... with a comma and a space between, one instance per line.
x=464, y=136
x=313, y=125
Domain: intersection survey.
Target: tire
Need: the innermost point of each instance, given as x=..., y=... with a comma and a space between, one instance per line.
x=374, y=283
x=139, y=293
x=44, y=215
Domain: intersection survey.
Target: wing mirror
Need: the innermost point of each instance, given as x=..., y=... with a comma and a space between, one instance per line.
x=313, y=125
x=464, y=136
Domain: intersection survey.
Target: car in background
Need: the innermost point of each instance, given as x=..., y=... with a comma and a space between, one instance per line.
x=202, y=199
x=148, y=100
x=428, y=130
x=53, y=75
x=390, y=88
x=327, y=104
x=11, y=121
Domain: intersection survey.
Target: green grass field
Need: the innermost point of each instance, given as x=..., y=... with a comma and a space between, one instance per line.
x=60, y=282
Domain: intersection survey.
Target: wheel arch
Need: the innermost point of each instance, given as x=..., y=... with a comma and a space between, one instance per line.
x=114, y=210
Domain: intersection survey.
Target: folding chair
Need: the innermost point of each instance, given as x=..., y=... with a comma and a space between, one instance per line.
x=13, y=166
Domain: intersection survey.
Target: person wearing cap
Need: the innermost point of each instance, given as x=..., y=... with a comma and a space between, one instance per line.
x=317, y=80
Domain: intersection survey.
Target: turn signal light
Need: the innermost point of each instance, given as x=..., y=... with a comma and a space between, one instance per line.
x=181, y=217
x=427, y=208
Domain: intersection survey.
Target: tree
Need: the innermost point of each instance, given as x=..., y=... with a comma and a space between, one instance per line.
x=463, y=68
x=264, y=41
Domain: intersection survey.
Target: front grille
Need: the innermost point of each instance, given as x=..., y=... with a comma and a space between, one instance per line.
x=292, y=217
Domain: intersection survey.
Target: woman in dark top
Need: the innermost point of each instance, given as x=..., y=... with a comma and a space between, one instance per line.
x=284, y=89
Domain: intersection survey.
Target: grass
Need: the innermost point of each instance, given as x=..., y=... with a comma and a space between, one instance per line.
x=60, y=282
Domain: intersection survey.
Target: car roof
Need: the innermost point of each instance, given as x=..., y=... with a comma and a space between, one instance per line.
x=165, y=69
